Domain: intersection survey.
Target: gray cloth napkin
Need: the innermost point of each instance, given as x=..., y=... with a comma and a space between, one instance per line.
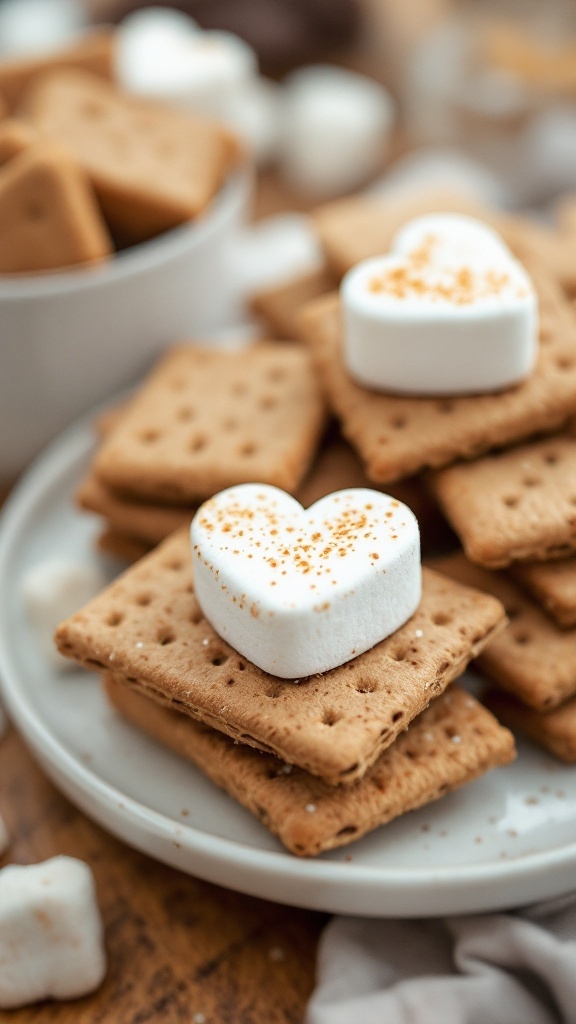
x=508, y=968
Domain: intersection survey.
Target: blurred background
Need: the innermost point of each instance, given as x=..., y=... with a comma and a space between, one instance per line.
x=479, y=94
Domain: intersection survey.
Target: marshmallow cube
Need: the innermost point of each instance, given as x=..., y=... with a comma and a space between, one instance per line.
x=53, y=590
x=448, y=311
x=335, y=130
x=51, y=934
x=302, y=591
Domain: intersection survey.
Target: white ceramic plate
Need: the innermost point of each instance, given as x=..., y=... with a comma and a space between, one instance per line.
x=507, y=839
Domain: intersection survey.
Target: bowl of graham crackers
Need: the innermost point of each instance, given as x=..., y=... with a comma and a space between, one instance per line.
x=117, y=217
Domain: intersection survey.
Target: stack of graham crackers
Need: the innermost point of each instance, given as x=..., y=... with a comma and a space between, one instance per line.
x=86, y=169
x=323, y=760
x=512, y=503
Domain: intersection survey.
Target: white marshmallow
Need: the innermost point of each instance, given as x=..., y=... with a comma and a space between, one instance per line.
x=51, y=935
x=4, y=837
x=31, y=27
x=335, y=130
x=165, y=57
x=448, y=311
x=53, y=590
x=301, y=591
x=273, y=251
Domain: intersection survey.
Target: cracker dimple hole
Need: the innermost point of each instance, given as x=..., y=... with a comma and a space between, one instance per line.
x=198, y=443
x=531, y=481
x=441, y=619
x=522, y=639
x=276, y=374
x=274, y=692
x=35, y=211
x=248, y=449
x=551, y=459
x=397, y=716
x=196, y=618
x=399, y=654
x=241, y=666
x=330, y=718
x=511, y=500
x=446, y=406
x=149, y=436
x=230, y=682
x=366, y=686
x=175, y=564
x=92, y=109
x=165, y=636
x=219, y=659
x=143, y=599
x=398, y=422
x=185, y=413
x=564, y=363
x=114, y=618
x=382, y=439
x=267, y=402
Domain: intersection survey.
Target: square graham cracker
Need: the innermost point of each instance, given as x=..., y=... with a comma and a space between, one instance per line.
x=552, y=585
x=149, y=628
x=397, y=436
x=555, y=731
x=206, y=419
x=152, y=167
x=515, y=505
x=532, y=658
x=451, y=743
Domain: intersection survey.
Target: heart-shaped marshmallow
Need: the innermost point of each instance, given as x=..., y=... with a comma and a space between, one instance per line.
x=448, y=311
x=301, y=591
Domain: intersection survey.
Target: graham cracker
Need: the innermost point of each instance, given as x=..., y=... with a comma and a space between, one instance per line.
x=121, y=546
x=15, y=137
x=152, y=167
x=148, y=627
x=147, y=523
x=453, y=742
x=279, y=306
x=515, y=505
x=207, y=419
x=531, y=658
x=397, y=436
x=555, y=731
x=93, y=53
x=552, y=585
x=354, y=228
x=50, y=218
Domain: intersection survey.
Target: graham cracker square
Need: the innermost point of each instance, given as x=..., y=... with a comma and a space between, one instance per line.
x=514, y=505
x=532, y=658
x=552, y=585
x=451, y=743
x=149, y=628
x=555, y=731
x=206, y=419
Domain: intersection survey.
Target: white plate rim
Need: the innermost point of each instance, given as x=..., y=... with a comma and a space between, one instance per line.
x=335, y=887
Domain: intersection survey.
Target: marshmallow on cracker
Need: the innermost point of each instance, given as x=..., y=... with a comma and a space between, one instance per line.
x=448, y=311
x=301, y=591
x=51, y=935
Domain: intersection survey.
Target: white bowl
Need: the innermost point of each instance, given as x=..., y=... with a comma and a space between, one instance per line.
x=69, y=340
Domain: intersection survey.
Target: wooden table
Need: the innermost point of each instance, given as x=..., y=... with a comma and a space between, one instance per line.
x=179, y=949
